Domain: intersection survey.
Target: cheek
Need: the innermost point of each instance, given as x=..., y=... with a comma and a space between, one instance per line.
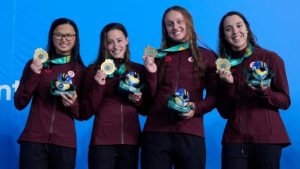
x=169, y=30
x=109, y=47
x=72, y=44
x=227, y=36
x=55, y=43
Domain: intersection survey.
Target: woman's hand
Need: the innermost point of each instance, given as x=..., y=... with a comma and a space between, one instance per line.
x=260, y=88
x=67, y=99
x=136, y=97
x=100, y=77
x=150, y=64
x=225, y=75
x=36, y=66
x=189, y=114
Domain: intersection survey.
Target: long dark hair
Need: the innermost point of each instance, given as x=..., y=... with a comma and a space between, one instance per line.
x=103, y=52
x=224, y=47
x=75, y=53
x=167, y=42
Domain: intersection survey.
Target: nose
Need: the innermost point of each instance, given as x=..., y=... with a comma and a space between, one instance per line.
x=234, y=30
x=175, y=26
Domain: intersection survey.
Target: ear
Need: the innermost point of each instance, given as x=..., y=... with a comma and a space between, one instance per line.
x=127, y=40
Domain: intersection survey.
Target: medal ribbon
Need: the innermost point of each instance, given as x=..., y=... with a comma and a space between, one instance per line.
x=119, y=71
x=248, y=52
x=58, y=61
x=163, y=52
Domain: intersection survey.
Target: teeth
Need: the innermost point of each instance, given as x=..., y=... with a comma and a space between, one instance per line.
x=177, y=33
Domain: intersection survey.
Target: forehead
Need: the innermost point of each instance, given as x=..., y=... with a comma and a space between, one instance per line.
x=173, y=15
x=64, y=28
x=115, y=34
x=232, y=20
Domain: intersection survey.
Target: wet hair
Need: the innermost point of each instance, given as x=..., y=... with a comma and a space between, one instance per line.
x=75, y=53
x=224, y=47
x=103, y=52
x=192, y=37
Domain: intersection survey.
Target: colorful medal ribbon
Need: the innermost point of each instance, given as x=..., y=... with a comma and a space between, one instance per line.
x=248, y=52
x=163, y=52
x=119, y=71
x=57, y=61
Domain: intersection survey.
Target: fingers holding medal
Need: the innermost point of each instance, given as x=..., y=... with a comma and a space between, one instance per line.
x=40, y=56
x=223, y=69
x=149, y=55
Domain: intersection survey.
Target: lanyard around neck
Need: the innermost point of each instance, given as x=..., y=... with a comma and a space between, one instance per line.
x=58, y=61
x=163, y=52
x=248, y=52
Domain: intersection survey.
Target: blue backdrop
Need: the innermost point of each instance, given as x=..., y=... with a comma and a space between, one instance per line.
x=25, y=24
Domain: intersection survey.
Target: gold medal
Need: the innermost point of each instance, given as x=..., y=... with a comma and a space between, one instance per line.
x=223, y=64
x=150, y=51
x=108, y=66
x=41, y=55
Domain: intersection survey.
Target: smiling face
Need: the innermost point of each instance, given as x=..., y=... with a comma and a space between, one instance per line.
x=64, y=39
x=116, y=43
x=176, y=26
x=235, y=32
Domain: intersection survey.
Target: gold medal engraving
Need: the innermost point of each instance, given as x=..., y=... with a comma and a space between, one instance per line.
x=41, y=55
x=150, y=51
x=108, y=66
x=223, y=64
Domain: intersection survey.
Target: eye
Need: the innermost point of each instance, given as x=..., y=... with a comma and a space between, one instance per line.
x=69, y=35
x=59, y=35
x=227, y=29
x=180, y=22
x=169, y=24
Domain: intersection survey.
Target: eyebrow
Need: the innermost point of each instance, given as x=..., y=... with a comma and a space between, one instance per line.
x=226, y=26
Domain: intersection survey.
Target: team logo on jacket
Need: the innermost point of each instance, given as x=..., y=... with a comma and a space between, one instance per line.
x=191, y=59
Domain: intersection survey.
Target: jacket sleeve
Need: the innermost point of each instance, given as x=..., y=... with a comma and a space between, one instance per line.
x=225, y=99
x=151, y=80
x=92, y=95
x=277, y=95
x=79, y=77
x=211, y=84
x=149, y=91
x=28, y=84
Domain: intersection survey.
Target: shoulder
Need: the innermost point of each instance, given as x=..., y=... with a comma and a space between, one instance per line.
x=208, y=56
x=207, y=52
x=267, y=54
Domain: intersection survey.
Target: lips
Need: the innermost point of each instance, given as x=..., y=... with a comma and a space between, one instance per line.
x=237, y=38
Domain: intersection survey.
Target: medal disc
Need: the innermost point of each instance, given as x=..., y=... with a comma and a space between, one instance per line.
x=150, y=51
x=41, y=55
x=108, y=66
x=223, y=64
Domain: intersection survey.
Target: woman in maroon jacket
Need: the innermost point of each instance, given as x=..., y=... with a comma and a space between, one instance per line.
x=49, y=139
x=116, y=129
x=251, y=94
x=173, y=137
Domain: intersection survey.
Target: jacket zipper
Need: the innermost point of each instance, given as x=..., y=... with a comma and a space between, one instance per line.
x=52, y=118
x=122, y=125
